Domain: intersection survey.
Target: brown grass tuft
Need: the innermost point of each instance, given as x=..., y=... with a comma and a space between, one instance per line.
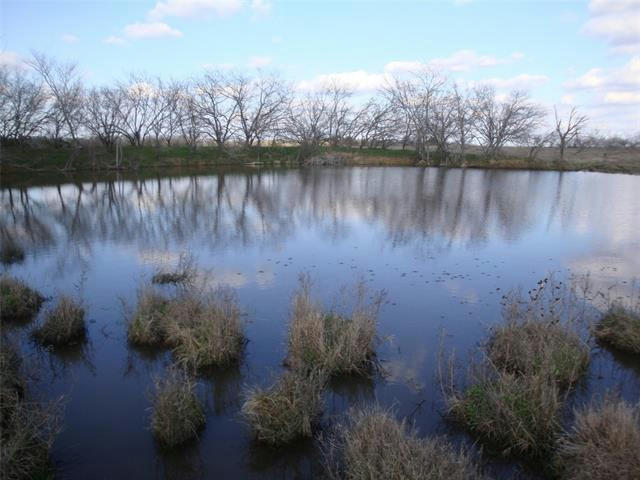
x=27, y=428
x=515, y=414
x=287, y=410
x=177, y=413
x=540, y=337
x=63, y=325
x=18, y=302
x=205, y=330
x=185, y=272
x=604, y=443
x=148, y=324
x=620, y=328
x=372, y=444
x=326, y=340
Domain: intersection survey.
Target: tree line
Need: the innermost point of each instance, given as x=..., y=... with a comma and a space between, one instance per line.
x=46, y=99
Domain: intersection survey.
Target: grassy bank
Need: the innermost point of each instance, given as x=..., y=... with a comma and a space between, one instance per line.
x=18, y=159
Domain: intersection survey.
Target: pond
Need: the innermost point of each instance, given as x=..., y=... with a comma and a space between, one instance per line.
x=445, y=245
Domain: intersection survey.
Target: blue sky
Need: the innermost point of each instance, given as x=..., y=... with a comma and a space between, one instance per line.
x=585, y=53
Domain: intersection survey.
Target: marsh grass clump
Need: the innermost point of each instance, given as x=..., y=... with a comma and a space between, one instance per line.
x=336, y=343
x=147, y=325
x=177, y=413
x=27, y=428
x=373, y=444
x=63, y=325
x=287, y=410
x=514, y=414
x=205, y=329
x=540, y=336
x=620, y=328
x=18, y=301
x=185, y=272
x=603, y=444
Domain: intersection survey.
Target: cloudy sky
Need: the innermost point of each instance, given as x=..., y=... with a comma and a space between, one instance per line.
x=585, y=53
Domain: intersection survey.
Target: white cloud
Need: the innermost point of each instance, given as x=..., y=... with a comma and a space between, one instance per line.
x=618, y=22
x=261, y=8
x=524, y=81
x=626, y=98
x=460, y=61
x=114, y=40
x=359, y=81
x=69, y=38
x=625, y=77
x=259, y=62
x=10, y=59
x=195, y=8
x=568, y=99
x=150, y=30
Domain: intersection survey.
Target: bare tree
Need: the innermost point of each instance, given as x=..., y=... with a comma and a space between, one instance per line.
x=101, y=114
x=22, y=105
x=306, y=121
x=218, y=111
x=65, y=87
x=569, y=131
x=188, y=117
x=339, y=111
x=260, y=105
x=141, y=109
x=415, y=98
x=442, y=124
x=498, y=123
x=536, y=142
x=464, y=119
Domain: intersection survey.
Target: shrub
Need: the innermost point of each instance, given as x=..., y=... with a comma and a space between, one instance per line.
x=18, y=302
x=27, y=428
x=148, y=324
x=184, y=273
x=205, y=330
x=287, y=410
x=177, y=412
x=603, y=444
x=516, y=414
x=329, y=341
x=372, y=444
x=539, y=341
x=620, y=328
x=63, y=325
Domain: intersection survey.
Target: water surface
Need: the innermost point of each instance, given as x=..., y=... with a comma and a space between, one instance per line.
x=445, y=244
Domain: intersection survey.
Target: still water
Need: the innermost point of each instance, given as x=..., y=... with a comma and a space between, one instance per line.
x=445, y=244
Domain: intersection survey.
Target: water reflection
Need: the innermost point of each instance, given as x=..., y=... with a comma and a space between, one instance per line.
x=440, y=206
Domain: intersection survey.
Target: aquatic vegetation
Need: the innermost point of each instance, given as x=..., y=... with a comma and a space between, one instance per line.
x=288, y=409
x=516, y=414
x=63, y=325
x=371, y=443
x=330, y=341
x=205, y=329
x=185, y=272
x=18, y=301
x=620, y=328
x=537, y=338
x=177, y=413
x=10, y=252
x=27, y=428
x=147, y=326
x=603, y=444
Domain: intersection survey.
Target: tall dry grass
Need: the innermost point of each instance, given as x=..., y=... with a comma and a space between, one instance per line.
x=148, y=324
x=335, y=343
x=27, y=428
x=63, y=325
x=205, y=329
x=177, y=413
x=18, y=301
x=372, y=444
x=288, y=409
x=620, y=328
x=603, y=444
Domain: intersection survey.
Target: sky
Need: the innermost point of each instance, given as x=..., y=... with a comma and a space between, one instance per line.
x=582, y=53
